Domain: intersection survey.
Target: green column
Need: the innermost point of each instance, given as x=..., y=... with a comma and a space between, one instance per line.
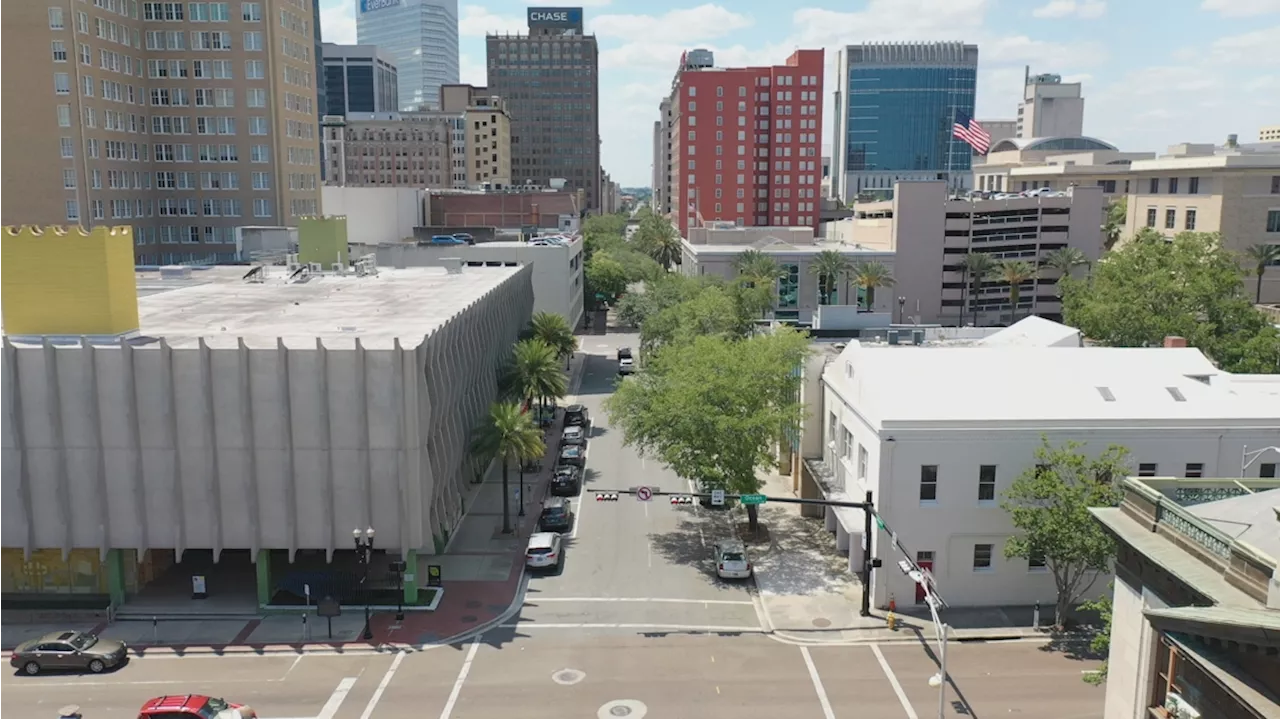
x=264, y=577
x=115, y=576
x=411, y=580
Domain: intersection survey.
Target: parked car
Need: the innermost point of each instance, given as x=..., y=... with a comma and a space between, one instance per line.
x=731, y=560
x=465, y=237
x=69, y=650
x=572, y=454
x=574, y=436
x=624, y=352
x=543, y=551
x=557, y=515
x=446, y=240
x=194, y=706
x=575, y=415
x=626, y=366
x=567, y=481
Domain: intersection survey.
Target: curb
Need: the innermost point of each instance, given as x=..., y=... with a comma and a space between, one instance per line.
x=517, y=603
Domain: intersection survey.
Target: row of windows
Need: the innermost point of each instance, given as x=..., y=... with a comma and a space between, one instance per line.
x=199, y=11
x=125, y=209
x=1171, y=218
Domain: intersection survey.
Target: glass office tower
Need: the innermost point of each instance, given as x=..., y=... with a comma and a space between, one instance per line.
x=422, y=36
x=895, y=105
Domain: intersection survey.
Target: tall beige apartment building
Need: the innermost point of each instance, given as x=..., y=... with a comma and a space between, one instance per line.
x=488, y=160
x=182, y=119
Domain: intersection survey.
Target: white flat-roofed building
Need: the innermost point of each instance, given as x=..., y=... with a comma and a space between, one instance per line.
x=938, y=433
x=261, y=415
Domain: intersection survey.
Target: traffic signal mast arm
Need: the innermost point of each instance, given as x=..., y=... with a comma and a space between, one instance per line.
x=784, y=500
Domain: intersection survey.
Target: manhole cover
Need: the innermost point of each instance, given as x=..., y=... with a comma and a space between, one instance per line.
x=469, y=619
x=623, y=708
x=822, y=622
x=568, y=676
x=620, y=711
x=474, y=604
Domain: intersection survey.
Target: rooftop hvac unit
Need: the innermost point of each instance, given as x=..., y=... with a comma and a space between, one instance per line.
x=316, y=267
x=894, y=337
x=917, y=337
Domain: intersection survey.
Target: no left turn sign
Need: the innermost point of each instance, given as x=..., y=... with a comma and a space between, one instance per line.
x=644, y=494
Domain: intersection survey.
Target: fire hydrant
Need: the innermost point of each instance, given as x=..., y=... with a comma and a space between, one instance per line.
x=892, y=618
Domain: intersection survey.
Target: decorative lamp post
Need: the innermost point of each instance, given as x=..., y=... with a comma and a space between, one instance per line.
x=364, y=554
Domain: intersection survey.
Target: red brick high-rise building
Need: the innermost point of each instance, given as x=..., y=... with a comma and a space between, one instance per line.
x=745, y=143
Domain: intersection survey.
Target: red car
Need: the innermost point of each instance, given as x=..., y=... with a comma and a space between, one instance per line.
x=193, y=706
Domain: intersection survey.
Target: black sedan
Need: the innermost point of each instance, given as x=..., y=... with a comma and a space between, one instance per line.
x=567, y=481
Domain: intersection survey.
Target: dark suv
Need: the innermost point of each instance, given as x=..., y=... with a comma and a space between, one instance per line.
x=566, y=481
x=557, y=516
x=575, y=415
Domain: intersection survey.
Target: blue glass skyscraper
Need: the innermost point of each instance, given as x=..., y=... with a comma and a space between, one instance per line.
x=895, y=104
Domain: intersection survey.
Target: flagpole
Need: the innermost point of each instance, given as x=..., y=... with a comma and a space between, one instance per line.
x=951, y=136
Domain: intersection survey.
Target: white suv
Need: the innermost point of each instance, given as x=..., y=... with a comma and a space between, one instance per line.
x=543, y=551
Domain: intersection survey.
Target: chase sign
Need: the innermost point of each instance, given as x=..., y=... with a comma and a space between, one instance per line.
x=371, y=5
x=566, y=17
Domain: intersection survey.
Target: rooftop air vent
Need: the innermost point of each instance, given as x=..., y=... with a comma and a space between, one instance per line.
x=1106, y=393
x=1176, y=394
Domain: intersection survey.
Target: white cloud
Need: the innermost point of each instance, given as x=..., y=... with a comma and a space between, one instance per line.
x=886, y=20
x=472, y=71
x=1241, y=8
x=1085, y=9
x=674, y=27
x=477, y=21
x=1258, y=48
x=338, y=23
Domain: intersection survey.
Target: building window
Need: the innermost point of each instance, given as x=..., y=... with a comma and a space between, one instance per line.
x=1151, y=217
x=251, y=11
x=73, y=210
x=64, y=116
x=62, y=83
x=1170, y=219
x=1036, y=561
x=1147, y=469
x=1273, y=220
x=862, y=462
x=929, y=483
x=1194, y=470
x=59, y=51
x=1154, y=187
x=254, y=70
x=1267, y=470
x=833, y=424
x=1173, y=185
x=846, y=444
x=1190, y=222
x=987, y=483
x=1193, y=186
x=1275, y=184
x=982, y=556
x=1108, y=186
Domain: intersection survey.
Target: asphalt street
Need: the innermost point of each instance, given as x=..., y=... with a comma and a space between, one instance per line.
x=635, y=624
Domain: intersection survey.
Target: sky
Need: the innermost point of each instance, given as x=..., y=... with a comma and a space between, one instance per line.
x=1155, y=72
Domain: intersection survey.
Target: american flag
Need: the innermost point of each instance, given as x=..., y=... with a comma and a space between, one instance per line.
x=966, y=128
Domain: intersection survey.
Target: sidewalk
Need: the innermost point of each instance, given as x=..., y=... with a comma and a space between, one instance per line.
x=482, y=570
x=810, y=595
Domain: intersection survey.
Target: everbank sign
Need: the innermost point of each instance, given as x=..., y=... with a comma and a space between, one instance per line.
x=371, y=5
x=554, y=16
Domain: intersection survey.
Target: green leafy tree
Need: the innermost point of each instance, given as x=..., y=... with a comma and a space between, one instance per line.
x=533, y=373
x=1013, y=273
x=977, y=266
x=605, y=276
x=871, y=276
x=713, y=312
x=1192, y=287
x=555, y=332
x=1049, y=505
x=1261, y=257
x=1101, y=642
x=1113, y=224
x=713, y=409
x=830, y=267
x=510, y=435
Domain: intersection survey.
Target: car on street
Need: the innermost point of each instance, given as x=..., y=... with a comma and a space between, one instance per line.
x=557, y=515
x=575, y=415
x=465, y=237
x=69, y=651
x=731, y=560
x=567, y=481
x=573, y=436
x=447, y=240
x=194, y=706
x=626, y=366
x=572, y=454
x=543, y=551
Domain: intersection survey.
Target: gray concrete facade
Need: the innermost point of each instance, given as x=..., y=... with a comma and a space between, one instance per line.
x=239, y=444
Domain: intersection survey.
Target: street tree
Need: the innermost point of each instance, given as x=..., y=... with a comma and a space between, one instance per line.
x=658, y=239
x=756, y=270
x=508, y=434
x=977, y=266
x=831, y=268
x=1049, y=505
x=1151, y=288
x=1013, y=273
x=1113, y=224
x=605, y=276
x=1065, y=260
x=1260, y=257
x=533, y=373
x=712, y=312
x=555, y=332
x=871, y=276
x=1101, y=642
x=713, y=409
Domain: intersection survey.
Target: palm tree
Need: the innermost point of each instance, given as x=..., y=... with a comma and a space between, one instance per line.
x=1014, y=273
x=757, y=269
x=659, y=239
x=1064, y=260
x=976, y=267
x=533, y=373
x=555, y=332
x=869, y=276
x=1117, y=214
x=509, y=434
x=830, y=267
x=1262, y=256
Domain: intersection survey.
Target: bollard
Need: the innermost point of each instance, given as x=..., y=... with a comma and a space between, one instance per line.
x=892, y=620
x=306, y=631
x=155, y=629
x=1035, y=616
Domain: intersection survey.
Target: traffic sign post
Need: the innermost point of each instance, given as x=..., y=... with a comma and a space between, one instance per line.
x=750, y=499
x=644, y=494
x=717, y=497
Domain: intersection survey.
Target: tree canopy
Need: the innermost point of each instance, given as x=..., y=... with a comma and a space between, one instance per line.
x=604, y=239
x=1192, y=287
x=1049, y=505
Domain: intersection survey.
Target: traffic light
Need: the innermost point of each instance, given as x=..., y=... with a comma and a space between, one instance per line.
x=681, y=500
x=606, y=496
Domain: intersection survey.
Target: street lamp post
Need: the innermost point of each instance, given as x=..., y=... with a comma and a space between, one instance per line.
x=364, y=554
x=902, y=301
x=1248, y=456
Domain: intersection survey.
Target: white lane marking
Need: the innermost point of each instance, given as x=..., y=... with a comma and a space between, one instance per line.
x=462, y=678
x=668, y=627
x=331, y=707
x=648, y=543
x=291, y=667
x=762, y=614
x=382, y=686
x=893, y=682
x=540, y=600
x=817, y=684
x=582, y=492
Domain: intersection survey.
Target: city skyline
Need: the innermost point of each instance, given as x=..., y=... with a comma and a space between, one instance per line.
x=1207, y=75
